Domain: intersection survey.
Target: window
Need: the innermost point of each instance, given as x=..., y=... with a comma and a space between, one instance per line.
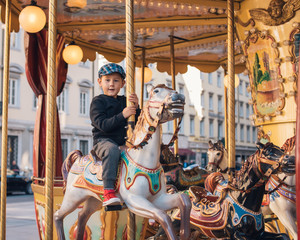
x=84, y=146
x=235, y=108
x=211, y=102
x=146, y=93
x=64, y=148
x=246, y=89
x=242, y=134
x=247, y=111
x=15, y=40
x=220, y=106
x=85, y=64
x=210, y=81
x=241, y=88
x=170, y=125
x=202, y=128
x=202, y=99
x=13, y=92
x=211, y=128
x=181, y=130
x=236, y=138
x=220, y=129
x=241, y=109
x=254, y=137
x=169, y=83
x=181, y=89
x=192, y=125
x=12, y=149
x=248, y=134
x=35, y=101
x=219, y=79
x=201, y=75
x=83, y=105
x=62, y=101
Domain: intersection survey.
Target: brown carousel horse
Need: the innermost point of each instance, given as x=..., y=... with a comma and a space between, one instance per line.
x=175, y=174
x=235, y=211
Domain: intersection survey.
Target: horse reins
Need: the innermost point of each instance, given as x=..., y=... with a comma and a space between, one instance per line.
x=263, y=177
x=153, y=125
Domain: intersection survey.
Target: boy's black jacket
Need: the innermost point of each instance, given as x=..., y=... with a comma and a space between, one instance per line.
x=107, y=118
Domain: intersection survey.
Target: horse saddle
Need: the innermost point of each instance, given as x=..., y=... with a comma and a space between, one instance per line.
x=208, y=211
x=95, y=167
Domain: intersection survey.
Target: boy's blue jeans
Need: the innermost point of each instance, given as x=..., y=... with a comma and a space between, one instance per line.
x=109, y=152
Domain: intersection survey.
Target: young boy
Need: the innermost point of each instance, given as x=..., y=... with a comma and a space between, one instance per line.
x=108, y=113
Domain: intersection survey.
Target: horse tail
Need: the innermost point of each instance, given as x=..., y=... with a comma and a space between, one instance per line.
x=67, y=164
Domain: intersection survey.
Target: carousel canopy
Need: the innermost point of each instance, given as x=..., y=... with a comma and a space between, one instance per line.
x=199, y=29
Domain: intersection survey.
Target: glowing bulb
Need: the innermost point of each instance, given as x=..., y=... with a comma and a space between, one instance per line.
x=236, y=81
x=32, y=19
x=147, y=74
x=72, y=54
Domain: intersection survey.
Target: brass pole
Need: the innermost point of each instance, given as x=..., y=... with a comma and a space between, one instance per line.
x=172, y=55
x=4, y=118
x=129, y=90
x=231, y=112
x=226, y=117
x=225, y=110
x=51, y=114
x=143, y=76
x=129, y=60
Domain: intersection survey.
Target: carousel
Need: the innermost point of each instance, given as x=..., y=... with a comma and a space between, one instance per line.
x=259, y=38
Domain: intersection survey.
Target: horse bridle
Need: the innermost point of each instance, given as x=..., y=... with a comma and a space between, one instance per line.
x=263, y=176
x=217, y=163
x=153, y=123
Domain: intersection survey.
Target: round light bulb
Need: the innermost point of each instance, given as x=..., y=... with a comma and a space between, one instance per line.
x=147, y=74
x=32, y=19
x=236, y=81
x=72, y=54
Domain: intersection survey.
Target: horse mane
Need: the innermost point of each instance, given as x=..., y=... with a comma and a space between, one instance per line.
x=245, y=169
x=289, y=145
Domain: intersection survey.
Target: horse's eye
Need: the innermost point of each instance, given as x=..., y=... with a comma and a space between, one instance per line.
x=156, y=91
x=218, y=154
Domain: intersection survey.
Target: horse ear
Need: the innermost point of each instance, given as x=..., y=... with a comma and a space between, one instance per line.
x=149, y=87
x=259, y=145
x=220, y=143
x=210, y=144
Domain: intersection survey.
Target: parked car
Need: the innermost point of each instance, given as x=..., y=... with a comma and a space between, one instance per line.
x=18, y=183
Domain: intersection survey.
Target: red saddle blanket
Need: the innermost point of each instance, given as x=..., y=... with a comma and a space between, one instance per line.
x=207, y=212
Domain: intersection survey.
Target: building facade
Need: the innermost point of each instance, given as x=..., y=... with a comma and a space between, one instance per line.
x=203, y=119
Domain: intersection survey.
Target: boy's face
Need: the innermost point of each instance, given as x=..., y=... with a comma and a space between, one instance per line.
x=111, y=84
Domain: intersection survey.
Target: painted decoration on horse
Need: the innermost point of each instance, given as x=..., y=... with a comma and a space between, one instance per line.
x=234, y=212
x=141, y=179
x=280, y=189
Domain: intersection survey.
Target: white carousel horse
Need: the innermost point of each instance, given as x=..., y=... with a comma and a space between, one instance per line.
x=280, y=188
x=141, y=182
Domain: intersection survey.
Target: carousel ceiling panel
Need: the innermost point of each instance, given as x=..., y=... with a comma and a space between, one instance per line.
x=199, y=28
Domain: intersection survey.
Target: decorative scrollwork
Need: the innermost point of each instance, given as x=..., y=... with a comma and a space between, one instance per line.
x=277, y=13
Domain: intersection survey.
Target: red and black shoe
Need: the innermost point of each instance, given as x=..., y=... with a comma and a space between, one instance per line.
x=110, y=198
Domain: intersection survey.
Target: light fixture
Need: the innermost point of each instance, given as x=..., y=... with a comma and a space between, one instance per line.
x=72, y=54
x=147, y=74
x=76, y=3
x=32, y=18
x=236, y=81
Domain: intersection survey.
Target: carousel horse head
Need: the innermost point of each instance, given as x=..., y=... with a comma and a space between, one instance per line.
x=165, y=104
x=217, y=157
x=270, y=154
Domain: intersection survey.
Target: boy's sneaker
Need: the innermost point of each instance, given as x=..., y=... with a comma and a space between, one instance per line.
x=110, y=198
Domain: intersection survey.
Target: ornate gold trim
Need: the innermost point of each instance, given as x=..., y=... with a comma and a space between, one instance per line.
x=252, y=37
